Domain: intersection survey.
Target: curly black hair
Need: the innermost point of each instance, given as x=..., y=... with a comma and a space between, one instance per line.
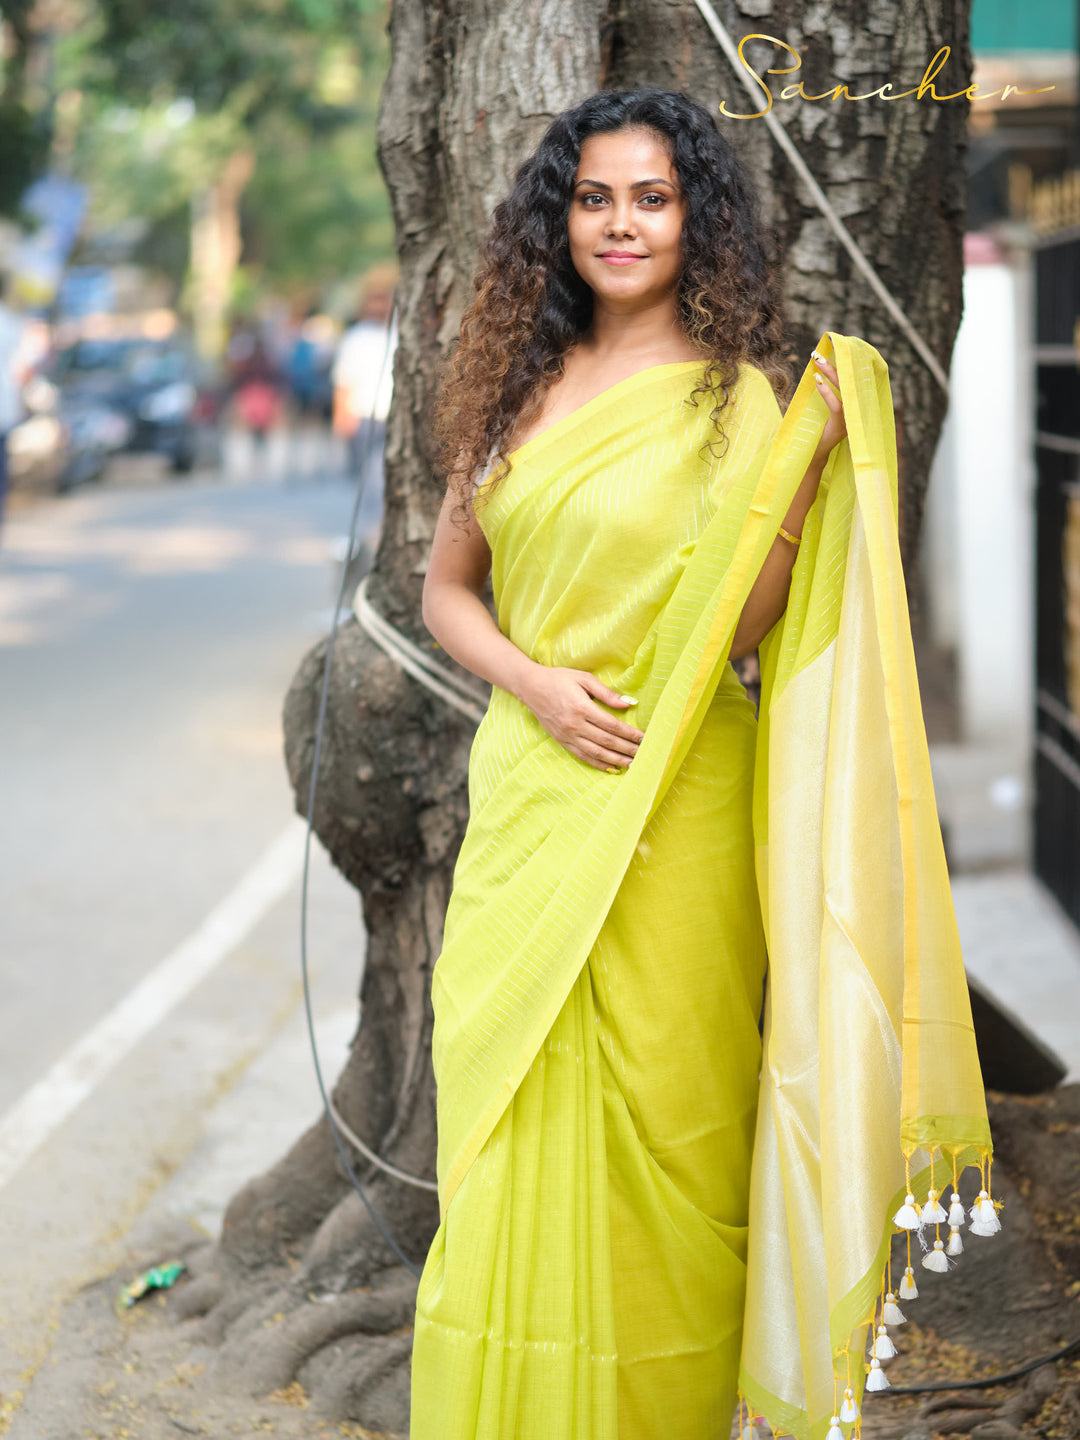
x=531, y=306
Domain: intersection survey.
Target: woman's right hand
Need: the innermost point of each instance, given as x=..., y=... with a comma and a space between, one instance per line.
x=563, y=700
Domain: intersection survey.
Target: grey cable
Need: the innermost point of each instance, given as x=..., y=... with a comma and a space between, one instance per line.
x=320, y=725
x=821, y=200
x=990, y=1380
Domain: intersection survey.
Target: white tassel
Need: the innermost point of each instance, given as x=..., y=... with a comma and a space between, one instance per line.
x=849, y=1409
x=955, y=1245
x=877, y=1379
x=908, y=1289
x=891, y=1312
x=835, y=1433
x=907, y=1217
x=936, y=1259
x=884, y=1349
x=750, y=1431
x=956, y=1211
x=932, y=1211
x=984, y=1220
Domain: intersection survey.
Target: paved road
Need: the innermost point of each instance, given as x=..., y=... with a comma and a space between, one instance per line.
x=146, y=642
x=148, y=632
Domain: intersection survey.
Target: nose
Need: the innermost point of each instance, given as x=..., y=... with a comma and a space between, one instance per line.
x=620, y=218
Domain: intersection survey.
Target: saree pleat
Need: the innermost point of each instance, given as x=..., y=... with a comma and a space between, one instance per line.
x=643, y=1203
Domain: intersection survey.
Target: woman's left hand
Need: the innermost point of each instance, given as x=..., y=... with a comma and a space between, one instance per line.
x=826, y=379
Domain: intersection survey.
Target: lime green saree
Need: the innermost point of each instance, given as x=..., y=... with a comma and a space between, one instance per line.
x=644, y=1207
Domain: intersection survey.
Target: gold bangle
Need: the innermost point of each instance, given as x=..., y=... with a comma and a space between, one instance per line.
x=795, y=540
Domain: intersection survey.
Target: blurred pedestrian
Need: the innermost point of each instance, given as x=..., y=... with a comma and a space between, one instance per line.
x=305, y=371
x=12, y=329
x=258, y=391
x=363, y=378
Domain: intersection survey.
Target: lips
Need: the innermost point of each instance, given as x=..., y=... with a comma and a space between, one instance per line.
x=621, y=257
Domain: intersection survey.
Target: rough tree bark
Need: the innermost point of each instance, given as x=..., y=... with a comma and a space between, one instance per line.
x=300, y=1285
x=215, y=250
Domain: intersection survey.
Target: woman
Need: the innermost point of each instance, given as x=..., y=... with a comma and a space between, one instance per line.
x=611, y=423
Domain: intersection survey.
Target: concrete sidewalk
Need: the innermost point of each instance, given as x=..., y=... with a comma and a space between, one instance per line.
x=1017, y=942
x=272, y=1104
x=213, y=1096
x=1023, y=949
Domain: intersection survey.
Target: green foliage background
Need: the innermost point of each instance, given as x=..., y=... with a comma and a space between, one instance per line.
x=148, y=101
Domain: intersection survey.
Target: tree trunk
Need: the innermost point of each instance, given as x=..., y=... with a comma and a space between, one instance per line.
x=471, y=87
x=215, y=250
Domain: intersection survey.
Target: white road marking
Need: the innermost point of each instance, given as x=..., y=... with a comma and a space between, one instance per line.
x=49, y=1102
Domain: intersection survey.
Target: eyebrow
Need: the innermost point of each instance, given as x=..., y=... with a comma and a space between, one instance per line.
x=637, y=185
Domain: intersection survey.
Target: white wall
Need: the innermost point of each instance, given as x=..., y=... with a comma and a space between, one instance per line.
x=978, y=546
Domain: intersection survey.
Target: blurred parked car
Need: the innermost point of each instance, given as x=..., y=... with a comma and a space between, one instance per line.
x=157, y=398
x=54, y=448
x=37, y=453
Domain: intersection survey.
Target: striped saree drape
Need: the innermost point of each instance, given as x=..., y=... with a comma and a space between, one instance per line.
x=642, y=1206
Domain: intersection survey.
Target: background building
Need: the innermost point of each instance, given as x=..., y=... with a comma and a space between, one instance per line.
x=1015, y=354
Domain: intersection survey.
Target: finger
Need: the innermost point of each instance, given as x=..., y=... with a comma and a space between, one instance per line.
x=827, y=393
x=826, y=368
x=625, y=745
x=593, y=761
x=599, y=691
x=614, y=726
x=601, y=755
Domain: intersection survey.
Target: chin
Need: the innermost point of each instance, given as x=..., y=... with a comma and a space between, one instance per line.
x=616, y=291
x=621, y=279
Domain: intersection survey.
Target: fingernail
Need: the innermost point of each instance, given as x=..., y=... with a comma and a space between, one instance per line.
x=629, y=699
x=819, y=379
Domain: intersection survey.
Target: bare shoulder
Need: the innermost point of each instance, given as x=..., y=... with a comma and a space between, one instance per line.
x=576, y=385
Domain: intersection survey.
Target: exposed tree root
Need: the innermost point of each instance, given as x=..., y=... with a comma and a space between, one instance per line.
x=276, y=1362
x=197, y=1299
x=364, y=1379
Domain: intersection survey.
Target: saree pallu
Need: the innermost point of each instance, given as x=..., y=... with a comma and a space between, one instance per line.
x=641, y=1207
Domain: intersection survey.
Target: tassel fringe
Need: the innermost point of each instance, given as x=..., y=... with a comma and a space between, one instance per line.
x=914, y=1220
x=884, y=1349
x=877, y=1379
x=908, y=1289
x=984, y=1220
x=907, y=1217
x=936, y=1259
x=932, y=1213
x=891, y=1314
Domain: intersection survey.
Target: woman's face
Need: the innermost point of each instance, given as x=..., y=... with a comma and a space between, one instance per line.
x=626, y=219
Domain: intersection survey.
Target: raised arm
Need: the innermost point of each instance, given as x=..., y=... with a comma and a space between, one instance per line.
x=769, y=595
x=563, y=700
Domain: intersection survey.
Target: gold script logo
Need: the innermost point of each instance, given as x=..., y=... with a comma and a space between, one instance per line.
x=924, y=88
